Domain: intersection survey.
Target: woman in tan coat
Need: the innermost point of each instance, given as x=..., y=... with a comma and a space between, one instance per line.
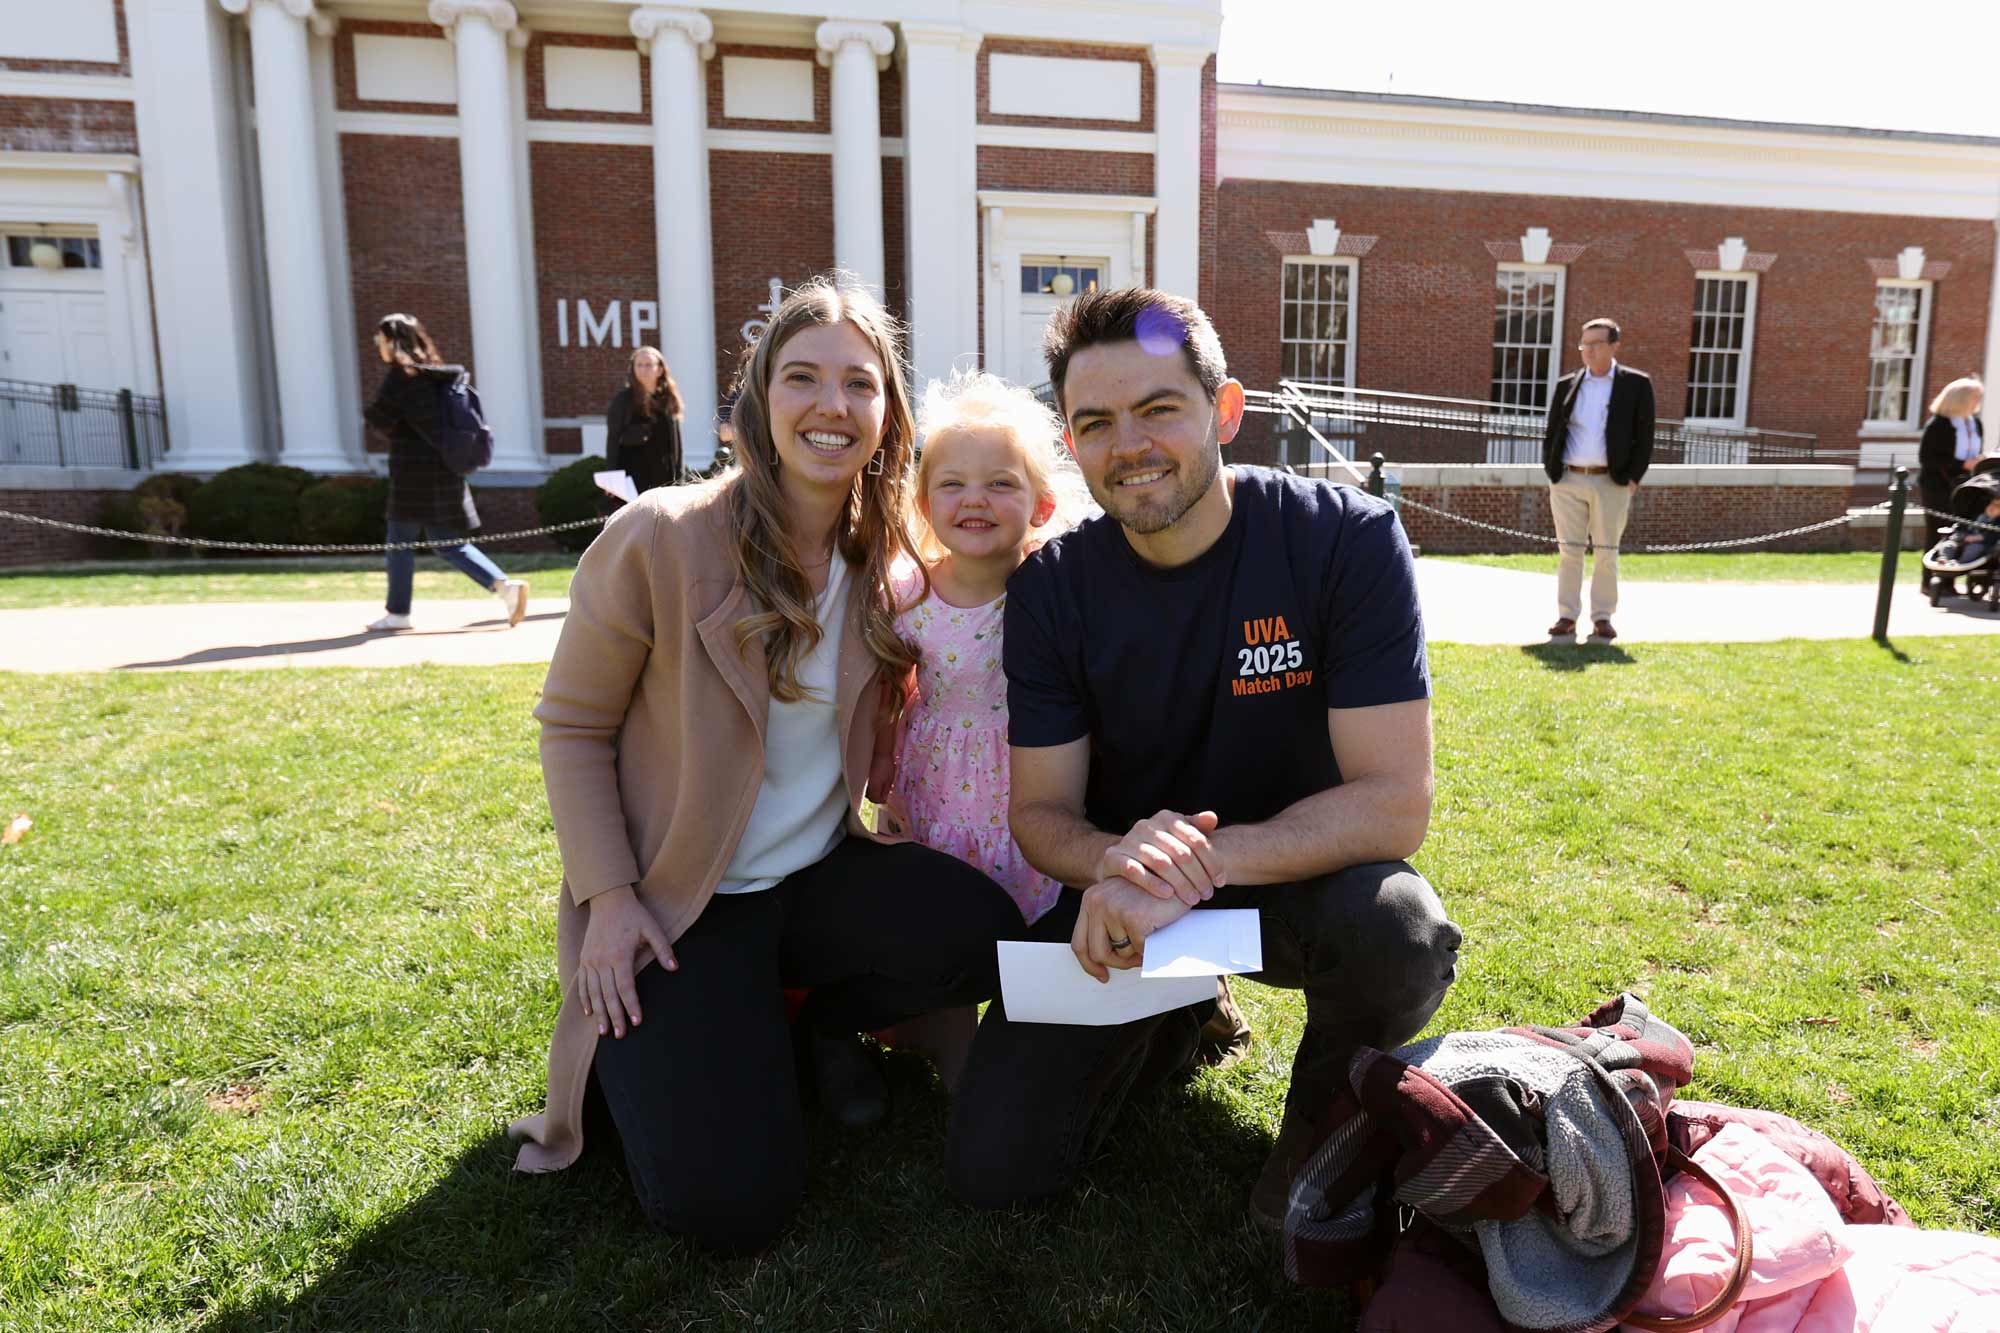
x=707, y=727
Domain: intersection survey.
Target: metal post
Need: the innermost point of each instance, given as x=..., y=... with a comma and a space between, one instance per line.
x=1892, y=545
x=128, y=429
x=1375, y=463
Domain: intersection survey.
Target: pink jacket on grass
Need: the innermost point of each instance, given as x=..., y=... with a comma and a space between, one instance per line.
x=1431, y=1284
x=1812, y=1272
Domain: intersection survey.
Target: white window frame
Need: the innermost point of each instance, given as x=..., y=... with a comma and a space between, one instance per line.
x=1739, y=420
x=1919, y=365
x=1561, y=272
x=1347, y=344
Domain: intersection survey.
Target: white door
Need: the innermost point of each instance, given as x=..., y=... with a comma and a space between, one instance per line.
x=1046, y=282
x=47, y=339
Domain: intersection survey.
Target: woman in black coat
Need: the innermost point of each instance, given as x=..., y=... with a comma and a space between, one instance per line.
x=1951, y=445
x=427, y=500
x=642, y=426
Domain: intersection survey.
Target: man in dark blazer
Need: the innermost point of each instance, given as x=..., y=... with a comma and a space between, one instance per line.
x=1598, y=445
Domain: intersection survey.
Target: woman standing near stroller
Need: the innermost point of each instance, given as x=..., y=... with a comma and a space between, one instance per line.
x=426, y=498
x=642, y=425
x=1950, y=448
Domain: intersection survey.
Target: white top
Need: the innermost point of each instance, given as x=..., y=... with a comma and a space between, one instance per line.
x=1968, y=439
x=802, y=805
x=1586, y=420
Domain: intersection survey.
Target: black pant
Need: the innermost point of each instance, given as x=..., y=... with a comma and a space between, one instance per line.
x=1370, y=946
x=1932, y=494
x=704, y=1093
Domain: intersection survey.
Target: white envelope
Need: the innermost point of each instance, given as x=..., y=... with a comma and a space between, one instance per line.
x=618, y=482
x=1214, y=943
x=1043, y=983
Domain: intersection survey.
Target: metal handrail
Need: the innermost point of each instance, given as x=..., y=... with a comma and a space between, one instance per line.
x=67, y=426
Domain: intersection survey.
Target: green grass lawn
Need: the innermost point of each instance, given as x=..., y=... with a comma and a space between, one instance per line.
x=321, y=579
x=1721, y=567
x=276, y=964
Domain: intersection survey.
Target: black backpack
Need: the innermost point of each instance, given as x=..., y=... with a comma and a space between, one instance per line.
x=464, y=440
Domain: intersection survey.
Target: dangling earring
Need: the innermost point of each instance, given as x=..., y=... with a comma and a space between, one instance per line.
x=875, y=464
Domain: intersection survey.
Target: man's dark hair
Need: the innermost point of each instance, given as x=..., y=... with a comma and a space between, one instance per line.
x=1158, y=321
x=1609, y=325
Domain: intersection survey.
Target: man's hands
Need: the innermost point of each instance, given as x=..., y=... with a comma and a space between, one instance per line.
x=1169, y=856
x=1117, y=910
x=619, y=925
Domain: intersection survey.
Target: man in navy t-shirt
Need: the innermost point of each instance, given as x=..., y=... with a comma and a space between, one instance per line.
x=1217, y=697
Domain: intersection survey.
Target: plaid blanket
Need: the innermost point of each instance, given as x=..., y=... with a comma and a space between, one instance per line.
x=1534, y=1144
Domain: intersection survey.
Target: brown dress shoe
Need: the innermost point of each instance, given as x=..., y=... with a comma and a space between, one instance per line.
x=1563, y=629
x=1225, y=1037
x=1602, y=630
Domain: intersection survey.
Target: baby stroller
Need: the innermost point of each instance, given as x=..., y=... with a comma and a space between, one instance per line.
x=1950, y=560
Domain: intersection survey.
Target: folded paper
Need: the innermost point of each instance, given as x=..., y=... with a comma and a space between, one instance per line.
x=1221, y=942
x=1043, y=983
x=617, y=482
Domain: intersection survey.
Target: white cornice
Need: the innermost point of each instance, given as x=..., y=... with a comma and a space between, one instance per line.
x=1326, y=141
x=400, y=123
x=1057, y=137
x=85, y=162
x=82, y=87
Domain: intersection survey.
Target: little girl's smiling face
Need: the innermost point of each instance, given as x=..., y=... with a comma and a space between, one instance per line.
x=979, y=497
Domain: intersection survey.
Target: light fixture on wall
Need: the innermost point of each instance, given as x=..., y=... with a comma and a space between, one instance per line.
x=45, y=254
x=1062, y=284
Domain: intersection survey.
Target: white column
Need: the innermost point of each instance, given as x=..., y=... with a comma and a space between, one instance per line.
x=502, y=334
x=1990, y=414
x=340, y=274
x=302, y=307
x=1177, y=168
x=678, y=41
x=858, y=52
x=940, y=221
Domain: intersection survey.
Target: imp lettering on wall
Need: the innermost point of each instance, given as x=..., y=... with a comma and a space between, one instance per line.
x=609, y=323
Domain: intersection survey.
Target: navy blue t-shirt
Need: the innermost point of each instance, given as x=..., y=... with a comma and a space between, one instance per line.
x=1206, y=686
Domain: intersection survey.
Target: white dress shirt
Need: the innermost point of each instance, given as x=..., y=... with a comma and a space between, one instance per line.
x=801, y=809
x=1586, y=421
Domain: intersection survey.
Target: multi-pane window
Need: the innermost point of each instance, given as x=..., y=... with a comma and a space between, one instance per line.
x=70, y=251
x=1316, y=322
x=1896, y=351
x=1039, y=277
x=1527, y=319
x=1725, y=317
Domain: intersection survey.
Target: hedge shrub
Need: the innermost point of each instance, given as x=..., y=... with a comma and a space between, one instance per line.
x=344, y=510
x=568, y=495
x=255, y=502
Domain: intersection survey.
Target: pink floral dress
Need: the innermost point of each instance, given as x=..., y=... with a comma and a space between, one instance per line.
x=951, y=778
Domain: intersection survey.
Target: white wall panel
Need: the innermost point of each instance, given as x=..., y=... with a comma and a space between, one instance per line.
x=404, y=69
x=1062, y=87
x=71, y=30
x=760, y=89
x=589, y=78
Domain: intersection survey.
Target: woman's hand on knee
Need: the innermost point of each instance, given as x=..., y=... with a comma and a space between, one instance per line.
x=620, y=925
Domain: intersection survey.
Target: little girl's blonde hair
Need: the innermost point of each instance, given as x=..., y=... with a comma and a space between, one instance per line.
x=972, y=401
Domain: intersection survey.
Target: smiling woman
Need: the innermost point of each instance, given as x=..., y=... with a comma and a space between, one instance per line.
x=707, y=730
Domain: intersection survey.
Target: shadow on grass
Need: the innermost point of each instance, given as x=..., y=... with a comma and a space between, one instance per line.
x=250, y=651
x=1558, y=656
x=1155, y=1237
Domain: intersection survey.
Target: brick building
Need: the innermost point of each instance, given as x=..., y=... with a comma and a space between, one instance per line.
x=211, y=201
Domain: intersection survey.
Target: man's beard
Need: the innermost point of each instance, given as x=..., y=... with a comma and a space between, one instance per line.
x=1148, y=515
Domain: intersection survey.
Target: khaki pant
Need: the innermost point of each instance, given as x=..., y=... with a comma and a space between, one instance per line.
x=1594, y=506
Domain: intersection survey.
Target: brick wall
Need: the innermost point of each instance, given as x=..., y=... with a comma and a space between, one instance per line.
x=31, y=544
x=121, y=66
x=594, y=241
x=406, y=242
x=1424, y=312
x=772, y=217
x=1074, y=51
x=66, y=125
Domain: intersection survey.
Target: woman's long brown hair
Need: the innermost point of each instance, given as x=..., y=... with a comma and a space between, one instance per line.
x=665, y=400
x=872, y=533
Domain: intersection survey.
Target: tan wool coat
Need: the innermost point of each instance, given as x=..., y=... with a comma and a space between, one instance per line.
x=653, y=746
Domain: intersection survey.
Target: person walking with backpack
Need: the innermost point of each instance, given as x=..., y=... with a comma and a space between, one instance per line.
x=428, y=495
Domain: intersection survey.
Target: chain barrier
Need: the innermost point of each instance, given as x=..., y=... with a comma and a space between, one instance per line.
x=1654, y=548
x=281, y=548
x=1954, y=519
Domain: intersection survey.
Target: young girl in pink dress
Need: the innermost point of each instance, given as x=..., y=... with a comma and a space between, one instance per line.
x=992, y=480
